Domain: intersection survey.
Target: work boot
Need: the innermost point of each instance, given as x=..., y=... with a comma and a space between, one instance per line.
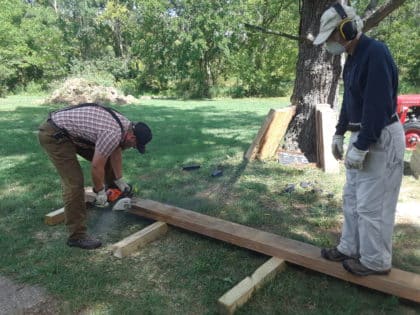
x=355, y=267
x=85, y=242
x=333, y=254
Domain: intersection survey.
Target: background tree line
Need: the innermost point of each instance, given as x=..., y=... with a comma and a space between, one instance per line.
x=182, y=48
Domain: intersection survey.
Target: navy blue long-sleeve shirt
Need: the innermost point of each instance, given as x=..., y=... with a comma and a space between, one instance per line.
x=370, y=91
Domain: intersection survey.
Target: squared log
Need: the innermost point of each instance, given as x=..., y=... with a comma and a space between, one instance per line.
x=139, y=239
x=242, y=292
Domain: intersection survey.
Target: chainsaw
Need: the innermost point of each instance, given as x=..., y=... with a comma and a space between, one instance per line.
x=119, y=200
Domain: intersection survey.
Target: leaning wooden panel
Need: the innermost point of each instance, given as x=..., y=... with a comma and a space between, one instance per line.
x=243, y=291
x=326, y=119
x=275, y=132
x=137, y=240
x=400, y=283
x=255, y=146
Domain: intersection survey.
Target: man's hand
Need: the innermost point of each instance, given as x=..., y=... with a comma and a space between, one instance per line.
x=337, y=147
x=101, y=199
x=355, y=158
x=122, y=185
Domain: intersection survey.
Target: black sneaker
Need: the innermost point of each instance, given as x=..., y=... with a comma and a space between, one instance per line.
x=333, y=254
x=86, y=242
x=355, y=267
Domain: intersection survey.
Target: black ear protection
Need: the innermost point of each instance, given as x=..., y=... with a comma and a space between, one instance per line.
x=347, y=27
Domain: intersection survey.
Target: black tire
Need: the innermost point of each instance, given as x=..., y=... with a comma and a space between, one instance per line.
x=412, y=127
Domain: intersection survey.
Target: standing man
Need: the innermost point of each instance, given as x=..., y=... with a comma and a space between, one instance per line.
x=98, y=134
x=375, y=157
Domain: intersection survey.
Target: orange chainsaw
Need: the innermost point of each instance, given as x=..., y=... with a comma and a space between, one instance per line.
x=119, y=200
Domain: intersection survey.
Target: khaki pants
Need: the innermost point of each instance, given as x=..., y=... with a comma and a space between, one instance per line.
x=63, y=154
x=370, y=198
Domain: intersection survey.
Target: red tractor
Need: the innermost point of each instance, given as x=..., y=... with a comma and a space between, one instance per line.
x=408, y=110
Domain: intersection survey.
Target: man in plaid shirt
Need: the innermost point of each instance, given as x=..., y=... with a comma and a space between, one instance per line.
x=98, y=134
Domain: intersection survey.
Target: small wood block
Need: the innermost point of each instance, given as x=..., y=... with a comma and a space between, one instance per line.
x=139, y=239
x=242, y=292
x=57, y=216
x=54, y=217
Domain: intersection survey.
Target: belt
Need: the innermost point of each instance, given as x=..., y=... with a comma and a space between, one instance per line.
x=353, y=127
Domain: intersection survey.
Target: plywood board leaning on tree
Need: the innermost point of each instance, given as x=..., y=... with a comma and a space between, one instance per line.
x=271, y=133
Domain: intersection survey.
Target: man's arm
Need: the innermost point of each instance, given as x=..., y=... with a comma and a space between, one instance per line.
x=116, y=162
x=98, y=171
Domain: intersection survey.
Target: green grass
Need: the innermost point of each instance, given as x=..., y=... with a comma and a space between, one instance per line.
x=182, y=273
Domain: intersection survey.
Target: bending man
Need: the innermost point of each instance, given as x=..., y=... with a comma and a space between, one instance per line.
x=98, y=134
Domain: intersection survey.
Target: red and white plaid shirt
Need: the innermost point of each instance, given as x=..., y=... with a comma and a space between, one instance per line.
x=94, y=124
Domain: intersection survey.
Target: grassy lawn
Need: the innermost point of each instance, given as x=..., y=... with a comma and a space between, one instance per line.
x=182, y=273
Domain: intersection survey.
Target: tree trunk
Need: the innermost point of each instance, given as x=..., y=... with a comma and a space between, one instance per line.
x=317, y=77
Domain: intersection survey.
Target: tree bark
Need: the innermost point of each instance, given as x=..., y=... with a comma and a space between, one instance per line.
x=316, y=81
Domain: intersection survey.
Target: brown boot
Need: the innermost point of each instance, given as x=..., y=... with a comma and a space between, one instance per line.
x=86, y=242
x=355, y=267
x=333, y=254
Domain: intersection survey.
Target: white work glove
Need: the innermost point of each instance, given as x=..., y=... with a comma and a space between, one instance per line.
x=337, y=147
x=355, y=158
x=101, y=199
x=122, y=185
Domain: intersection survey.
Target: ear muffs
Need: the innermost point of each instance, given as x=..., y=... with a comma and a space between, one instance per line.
x=347, y=27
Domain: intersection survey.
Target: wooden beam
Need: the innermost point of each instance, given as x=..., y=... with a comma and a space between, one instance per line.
x=242, y=292
x=57, y=216
x=400, y=283
x=139, y=239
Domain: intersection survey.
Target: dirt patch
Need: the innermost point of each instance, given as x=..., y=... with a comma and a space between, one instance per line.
x=23, y=299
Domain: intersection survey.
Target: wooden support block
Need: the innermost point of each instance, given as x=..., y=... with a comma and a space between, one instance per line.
x=57, y=216
x=415, y=161
x=242, y=292
x=137, y=240
x=326, y=119
x=54, y=217
x=270, y=134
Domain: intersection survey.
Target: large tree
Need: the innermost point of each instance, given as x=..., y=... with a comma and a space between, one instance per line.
x=317, y=72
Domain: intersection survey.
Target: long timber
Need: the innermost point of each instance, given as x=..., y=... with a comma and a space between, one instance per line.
x=399, y=283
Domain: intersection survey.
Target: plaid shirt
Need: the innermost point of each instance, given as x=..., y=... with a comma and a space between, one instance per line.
x=93, y=124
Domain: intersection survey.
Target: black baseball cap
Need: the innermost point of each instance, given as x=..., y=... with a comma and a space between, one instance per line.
x=143, y=135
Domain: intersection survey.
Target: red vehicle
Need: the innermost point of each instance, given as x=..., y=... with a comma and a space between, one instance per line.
x=408, y=110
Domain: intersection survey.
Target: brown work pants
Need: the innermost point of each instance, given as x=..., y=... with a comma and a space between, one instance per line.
x=63, y=154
